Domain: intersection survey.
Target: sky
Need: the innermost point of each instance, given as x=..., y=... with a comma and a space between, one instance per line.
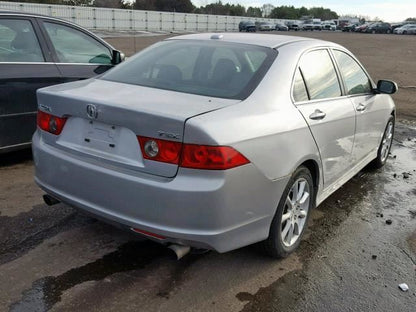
x=389, y=11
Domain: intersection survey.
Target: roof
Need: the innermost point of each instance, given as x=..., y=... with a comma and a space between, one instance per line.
x=265, y=40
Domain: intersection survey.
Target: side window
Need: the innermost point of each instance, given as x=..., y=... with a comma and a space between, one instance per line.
x=299, y=89
x=74, y=46
x=355, y=78
x=18, y=42
x=320, y=77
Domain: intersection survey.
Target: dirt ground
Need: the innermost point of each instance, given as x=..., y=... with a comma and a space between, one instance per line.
x=384, y=56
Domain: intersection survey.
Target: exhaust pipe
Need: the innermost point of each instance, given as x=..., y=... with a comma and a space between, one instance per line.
x=179, y=250
x=49, y=200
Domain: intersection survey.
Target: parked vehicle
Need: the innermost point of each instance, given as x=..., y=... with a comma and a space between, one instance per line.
x=293, y=26
x=38, y=51
x=247, y=26
x=349, y=27
x=281, y=27
x=312, y=24
x=363, y=27
x=379, y=28
x=329, y=26
x=265, y=26
x=191, y=141
x=405, y=29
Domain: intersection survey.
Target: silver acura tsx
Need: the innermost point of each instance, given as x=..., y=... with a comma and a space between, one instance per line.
x=214, y=141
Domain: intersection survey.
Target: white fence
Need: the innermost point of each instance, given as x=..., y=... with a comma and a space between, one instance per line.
x=134, y=20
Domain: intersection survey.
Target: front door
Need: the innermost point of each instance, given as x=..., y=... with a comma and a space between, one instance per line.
x=78, y=54
x=330, y=116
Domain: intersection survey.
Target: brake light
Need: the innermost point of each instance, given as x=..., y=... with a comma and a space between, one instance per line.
x=191, y=155
x=211, y=157
x=50, y=123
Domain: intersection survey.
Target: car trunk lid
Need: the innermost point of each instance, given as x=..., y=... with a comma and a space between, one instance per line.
x=105, y=118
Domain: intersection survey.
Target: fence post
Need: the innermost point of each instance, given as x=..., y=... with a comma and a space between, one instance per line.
x=94, y=18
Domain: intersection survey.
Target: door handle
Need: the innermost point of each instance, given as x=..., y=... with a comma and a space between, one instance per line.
x=361, y=107
x=317, y=114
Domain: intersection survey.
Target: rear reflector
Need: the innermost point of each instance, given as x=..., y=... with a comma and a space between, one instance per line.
x=191, y=155
x=50, y=123
x=148, y=233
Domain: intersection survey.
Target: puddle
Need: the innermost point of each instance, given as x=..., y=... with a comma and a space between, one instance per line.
x=132, y=255
x=23, y=232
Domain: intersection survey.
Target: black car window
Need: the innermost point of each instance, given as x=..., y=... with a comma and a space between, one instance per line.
x=320, y=77
x=18, y=42
x=211, y=68
x=74, y=46
x=355, y=78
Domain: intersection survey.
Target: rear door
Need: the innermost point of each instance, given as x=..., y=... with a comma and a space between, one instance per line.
x=330, y=116
x=25, y=66
x=77, y=53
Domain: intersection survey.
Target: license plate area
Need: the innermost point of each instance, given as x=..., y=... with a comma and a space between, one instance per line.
x=112, y=143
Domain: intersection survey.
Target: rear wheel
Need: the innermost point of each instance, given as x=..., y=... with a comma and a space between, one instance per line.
x=292, y=214
x=385, y=145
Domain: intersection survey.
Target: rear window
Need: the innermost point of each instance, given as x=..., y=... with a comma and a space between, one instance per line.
x=209, y=68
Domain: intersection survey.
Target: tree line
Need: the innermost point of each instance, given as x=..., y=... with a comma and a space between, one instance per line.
x=186, y=6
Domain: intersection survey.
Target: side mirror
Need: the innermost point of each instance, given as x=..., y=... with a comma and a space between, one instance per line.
x=386, y=86
x=117, y=57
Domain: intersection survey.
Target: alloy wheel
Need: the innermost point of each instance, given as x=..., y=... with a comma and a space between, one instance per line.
x=295, y=211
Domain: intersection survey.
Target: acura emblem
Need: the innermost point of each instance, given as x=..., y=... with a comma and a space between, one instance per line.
x=92, y=111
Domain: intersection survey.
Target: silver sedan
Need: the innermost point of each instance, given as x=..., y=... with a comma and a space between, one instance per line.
x=214, y=141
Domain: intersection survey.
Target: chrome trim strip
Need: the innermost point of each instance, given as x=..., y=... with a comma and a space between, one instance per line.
x=17, y=114
x=49, y=63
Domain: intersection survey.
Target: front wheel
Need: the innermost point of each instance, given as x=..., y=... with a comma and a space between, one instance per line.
x=385, y=145
x=292, y=214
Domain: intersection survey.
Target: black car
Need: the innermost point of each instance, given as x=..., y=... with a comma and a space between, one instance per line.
x=379, y=28
x=281, y=27
x=38, y=51
x=247, y=26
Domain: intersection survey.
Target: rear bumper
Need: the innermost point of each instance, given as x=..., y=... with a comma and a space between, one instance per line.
x=221, y=210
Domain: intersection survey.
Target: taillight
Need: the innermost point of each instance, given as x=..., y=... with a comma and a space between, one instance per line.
x=160, y=150
x=50, y=123
x=211, y=157
x=191, y=155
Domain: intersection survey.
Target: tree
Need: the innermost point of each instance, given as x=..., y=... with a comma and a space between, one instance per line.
x=185, y=6
x=117, y=4
x=253, y=12
x=410, y=19
x=285, y=12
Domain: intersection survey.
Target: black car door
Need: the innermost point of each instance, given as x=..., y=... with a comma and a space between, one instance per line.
x=78, y=54
x=25, y=66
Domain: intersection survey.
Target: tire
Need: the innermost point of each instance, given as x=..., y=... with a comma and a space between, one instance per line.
x=385, y=145
x=373, y=32
x=388, y=31
x=404, y=32
x=279, y=244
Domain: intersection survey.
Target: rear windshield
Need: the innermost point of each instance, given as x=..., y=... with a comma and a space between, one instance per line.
x=210, y=68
